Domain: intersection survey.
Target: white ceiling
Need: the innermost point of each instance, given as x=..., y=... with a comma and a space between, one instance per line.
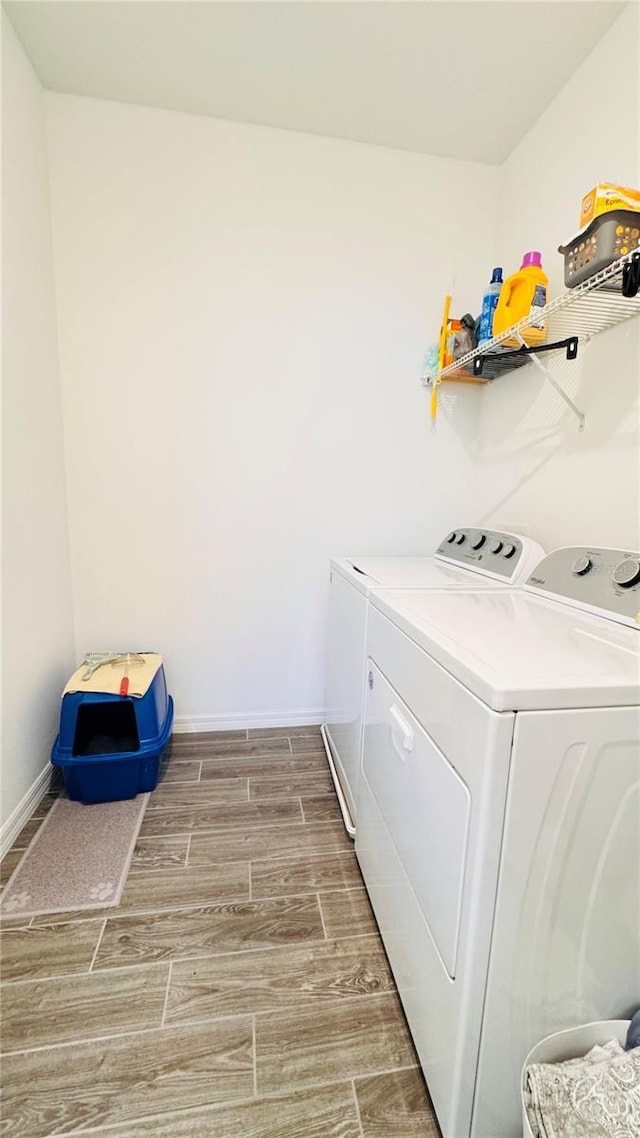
x=461, y=79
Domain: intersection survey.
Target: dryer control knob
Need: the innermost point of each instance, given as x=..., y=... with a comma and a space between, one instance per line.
x=479, y=541
x=581, y=565
x=452, y=536
x=460, y=539
x=509, y=550
x=496, y=546
x=627, y=572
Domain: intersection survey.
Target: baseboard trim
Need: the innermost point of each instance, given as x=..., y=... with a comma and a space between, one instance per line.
x=25, y=808
x=308, y=717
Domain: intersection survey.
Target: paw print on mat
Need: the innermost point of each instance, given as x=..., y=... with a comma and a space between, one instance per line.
x=102, y=891
x=17, y=901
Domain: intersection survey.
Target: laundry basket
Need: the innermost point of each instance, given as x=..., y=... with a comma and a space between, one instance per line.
x=109, y=747
x=569, y=1044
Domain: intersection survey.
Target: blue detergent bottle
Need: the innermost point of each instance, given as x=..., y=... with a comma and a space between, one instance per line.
x=489, y=305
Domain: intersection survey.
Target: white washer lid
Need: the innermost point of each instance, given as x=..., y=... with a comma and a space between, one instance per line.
x=518, y=652
x=367, y=573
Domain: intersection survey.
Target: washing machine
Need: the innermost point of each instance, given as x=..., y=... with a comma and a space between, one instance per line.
x=499, y=818
x=465, y=558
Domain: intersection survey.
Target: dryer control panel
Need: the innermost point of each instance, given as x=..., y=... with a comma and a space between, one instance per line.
x=605, y=581
x=491, y=552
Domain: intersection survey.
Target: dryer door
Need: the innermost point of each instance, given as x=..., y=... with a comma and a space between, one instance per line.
x=430, y=815
x=426, y=809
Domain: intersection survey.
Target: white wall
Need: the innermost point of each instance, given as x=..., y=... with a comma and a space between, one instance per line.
x=242, y=315
x=242, y=318
x=37, y=636
x=535, y=469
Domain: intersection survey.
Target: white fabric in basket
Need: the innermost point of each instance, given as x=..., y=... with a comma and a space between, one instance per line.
x=597, y=1096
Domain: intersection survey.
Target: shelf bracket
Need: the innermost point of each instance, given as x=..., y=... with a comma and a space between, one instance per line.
x=525, y=351
x=533, y=356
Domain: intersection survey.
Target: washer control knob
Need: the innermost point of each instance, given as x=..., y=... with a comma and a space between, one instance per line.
x=508, y=550
x=627, y=572
x=452, y=537
x=460, y=539
x=496, y=545
x=479, y=541
x=581, y=565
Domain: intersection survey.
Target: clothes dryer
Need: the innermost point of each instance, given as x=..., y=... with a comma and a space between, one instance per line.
x=465, y=558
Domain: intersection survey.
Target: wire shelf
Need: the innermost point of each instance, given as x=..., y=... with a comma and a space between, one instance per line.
x=581, y=312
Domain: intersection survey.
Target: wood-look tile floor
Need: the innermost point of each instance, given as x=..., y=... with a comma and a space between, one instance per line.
x=240, y=989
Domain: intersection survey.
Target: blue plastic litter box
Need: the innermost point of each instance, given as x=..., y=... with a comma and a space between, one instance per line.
x=109, y=746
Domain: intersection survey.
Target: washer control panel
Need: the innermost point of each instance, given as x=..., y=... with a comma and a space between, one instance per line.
x=486, y=550
x=603, y=580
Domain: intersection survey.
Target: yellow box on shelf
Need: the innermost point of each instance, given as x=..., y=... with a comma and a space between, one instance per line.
x=605, y=197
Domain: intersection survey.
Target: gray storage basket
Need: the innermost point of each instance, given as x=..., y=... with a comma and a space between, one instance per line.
x=570, y=1044
x=607, y=238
